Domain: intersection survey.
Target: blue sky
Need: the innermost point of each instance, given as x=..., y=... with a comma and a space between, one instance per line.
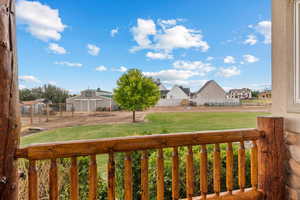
x=79, y=45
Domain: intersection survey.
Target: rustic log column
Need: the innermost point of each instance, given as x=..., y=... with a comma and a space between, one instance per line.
x=271, y=158
x=9, y=110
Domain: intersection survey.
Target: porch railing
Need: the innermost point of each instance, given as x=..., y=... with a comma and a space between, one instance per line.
x=259, y=174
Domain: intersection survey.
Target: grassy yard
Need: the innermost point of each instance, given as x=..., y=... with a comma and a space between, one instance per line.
x=155, y=123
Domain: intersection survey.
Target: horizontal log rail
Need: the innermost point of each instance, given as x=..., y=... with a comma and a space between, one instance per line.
x=134, y=143
x=91, y=148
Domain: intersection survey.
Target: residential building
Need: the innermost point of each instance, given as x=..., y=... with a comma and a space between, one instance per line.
x=244, y=93
x=91, y=101
x=267, y=94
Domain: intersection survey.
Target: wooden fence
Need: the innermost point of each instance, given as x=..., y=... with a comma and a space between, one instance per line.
x=267, y=157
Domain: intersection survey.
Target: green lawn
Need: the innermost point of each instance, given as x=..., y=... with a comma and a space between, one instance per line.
x=156, y=123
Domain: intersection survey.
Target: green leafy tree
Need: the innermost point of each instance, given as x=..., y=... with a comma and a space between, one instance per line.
x=254, y=93
x=136, y=92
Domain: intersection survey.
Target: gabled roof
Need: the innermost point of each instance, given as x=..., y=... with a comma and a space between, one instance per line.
x=207, y=83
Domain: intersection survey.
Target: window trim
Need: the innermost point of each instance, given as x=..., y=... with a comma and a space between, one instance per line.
x=296, y=81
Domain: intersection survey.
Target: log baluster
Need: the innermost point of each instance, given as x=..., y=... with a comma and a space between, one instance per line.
x=128, y=176
x=111, y=176
x=203, y=172
x=53, y=180
x=254, y=165
x=242, y=167
x=74, y=179
x=217, y=170
x=229, y=168
x=160, y=175
x=32, y=181
x=93, y=178
x=189, y=173
x=144, y=176
x=175, y=174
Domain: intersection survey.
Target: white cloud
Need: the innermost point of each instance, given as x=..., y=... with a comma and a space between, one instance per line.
x=229, y=59
x=21, y=87
x=52, y=82
x=251, y=40
x=42, y=21
x=120, y=69
x=114, y=32
x=101, y=68
x=141, y=33
x=180, y=37
x=93, y=49
x=197, y=66
x=171, y=74
x=250, y=58
x=209, y=58
x=186, y=83
x=264, y=28
x=69, y=64
x=167, y=38
x=29, y=78
x=229, y=72
x=55, y=48
x=158, y=55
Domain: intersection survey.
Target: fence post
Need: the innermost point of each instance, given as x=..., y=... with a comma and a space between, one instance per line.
x=60, y=109
x=31, y=114
x=272, y=158
x=9, y=108
x=73, y=110
x=47, y=112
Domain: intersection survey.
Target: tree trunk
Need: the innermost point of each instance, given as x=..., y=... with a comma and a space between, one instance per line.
x=9, y=102
x=133, y=116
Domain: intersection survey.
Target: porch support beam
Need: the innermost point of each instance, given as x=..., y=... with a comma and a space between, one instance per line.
x=9, y=111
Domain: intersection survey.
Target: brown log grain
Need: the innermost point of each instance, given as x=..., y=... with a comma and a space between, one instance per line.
x=217, y=170
x=53, y=180
x=9, y=100
x=133, y=143
x=229, y=168
x=272, y=158
x=175, y=174
x=111, y=176
x=242, y=166
x=144, y=176
x=128, y=177
x=93, y=178
x=203, y=172
x=189, y=174
x=160, y=175
x=32, y=181
x=74, y=179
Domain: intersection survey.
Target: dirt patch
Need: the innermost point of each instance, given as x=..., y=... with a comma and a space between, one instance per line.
x=84, y=119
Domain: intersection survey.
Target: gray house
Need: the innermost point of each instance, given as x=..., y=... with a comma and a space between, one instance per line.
x=212, y=93
x=91, y=101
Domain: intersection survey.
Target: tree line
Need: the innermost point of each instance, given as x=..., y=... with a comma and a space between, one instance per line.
x=48, y=92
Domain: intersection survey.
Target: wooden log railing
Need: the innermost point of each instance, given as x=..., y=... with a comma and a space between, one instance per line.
x=91, y=148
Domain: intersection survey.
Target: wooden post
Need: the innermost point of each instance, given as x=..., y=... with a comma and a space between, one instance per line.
x=73, y=110
x=272, y=158
x=9, y=98
x=31, y=114
x=60, y=109
x=47, y=112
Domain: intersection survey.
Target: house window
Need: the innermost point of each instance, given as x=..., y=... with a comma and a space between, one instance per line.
x=297, y=53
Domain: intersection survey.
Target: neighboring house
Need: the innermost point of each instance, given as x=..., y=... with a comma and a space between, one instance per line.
x=91, y=101
x=175, y=96
x=37, y=106
x=244, y=93
x=210, y=92
x=179, y=92
x=265, y=94
x=162, y=89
